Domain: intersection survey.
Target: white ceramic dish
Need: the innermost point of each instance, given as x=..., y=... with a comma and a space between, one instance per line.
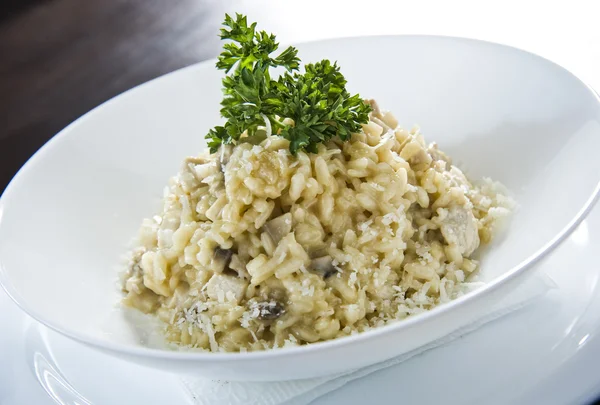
x=552, y=363
x=70, y=212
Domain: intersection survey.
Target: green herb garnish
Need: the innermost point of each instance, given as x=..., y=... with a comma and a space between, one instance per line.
x=317, y=100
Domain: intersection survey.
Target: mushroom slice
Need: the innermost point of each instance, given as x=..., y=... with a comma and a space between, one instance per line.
x=323, y=266
x=278, y=227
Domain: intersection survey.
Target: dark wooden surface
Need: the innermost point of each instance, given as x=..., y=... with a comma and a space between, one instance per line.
x=61, y=58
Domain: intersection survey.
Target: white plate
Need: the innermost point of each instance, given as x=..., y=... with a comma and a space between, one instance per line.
x=69, y=213
x=545, y=354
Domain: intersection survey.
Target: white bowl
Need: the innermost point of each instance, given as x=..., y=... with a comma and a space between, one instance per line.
x=70, y=213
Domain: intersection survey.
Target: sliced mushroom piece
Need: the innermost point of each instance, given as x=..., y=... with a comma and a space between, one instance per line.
x=221, y=259
x=323, y=266
x=238, y=266
x=267, y=310
x=277, y=211
x=278, y=227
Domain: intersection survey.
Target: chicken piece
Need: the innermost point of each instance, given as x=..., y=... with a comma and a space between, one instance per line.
x=376, y=112
x=386, y=120
x=459, y=227
x=221, y=259
x=220, y=284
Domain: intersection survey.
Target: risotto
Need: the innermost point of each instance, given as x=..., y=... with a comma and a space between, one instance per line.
x=258, y=248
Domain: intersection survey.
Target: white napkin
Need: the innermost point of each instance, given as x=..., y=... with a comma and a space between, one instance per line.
x=204, y=391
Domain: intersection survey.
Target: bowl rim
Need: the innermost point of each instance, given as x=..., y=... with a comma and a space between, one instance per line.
x=199, y=356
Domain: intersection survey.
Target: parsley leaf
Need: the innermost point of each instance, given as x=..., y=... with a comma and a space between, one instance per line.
x=316, y=101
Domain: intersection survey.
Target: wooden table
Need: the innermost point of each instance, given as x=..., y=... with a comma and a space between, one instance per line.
x=61, y=58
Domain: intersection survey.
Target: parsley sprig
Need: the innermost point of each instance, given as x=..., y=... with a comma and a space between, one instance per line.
x=316, y=101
